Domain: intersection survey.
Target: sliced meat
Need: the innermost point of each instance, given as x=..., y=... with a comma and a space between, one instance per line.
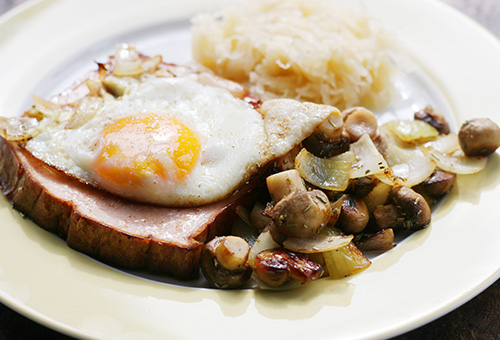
x=113, y=230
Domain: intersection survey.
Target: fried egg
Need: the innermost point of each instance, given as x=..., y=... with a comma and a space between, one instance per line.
x=171, y=141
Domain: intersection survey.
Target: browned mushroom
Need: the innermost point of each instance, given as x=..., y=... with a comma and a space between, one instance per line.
x=276, y=267
x=257, y=216
x=330, y=138
x=301, y=213
x=354, y=216
x=327, y=148
x=381, y=241
x=223, y=262
x=388, y=216
x=434, y=119
x=408, y=209
x=363, y=185
x=479, y=137
x=438, y=184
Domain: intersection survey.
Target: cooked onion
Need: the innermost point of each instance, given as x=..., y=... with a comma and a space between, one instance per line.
x=448, y=155
x=326, y=173
x=264, y=241
x=127, y=61
x=324, y=241
x=368, y=160
x=345, y=261
x=416, y=131
x=410, y=166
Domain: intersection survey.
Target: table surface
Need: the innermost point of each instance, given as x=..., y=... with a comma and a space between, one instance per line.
x=477, y=319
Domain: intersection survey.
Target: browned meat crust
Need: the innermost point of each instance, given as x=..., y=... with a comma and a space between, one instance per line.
x=113, y=230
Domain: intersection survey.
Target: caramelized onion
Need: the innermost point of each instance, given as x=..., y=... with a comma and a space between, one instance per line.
x=326, y=173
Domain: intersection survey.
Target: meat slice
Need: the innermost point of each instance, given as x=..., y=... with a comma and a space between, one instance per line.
x=113, y=230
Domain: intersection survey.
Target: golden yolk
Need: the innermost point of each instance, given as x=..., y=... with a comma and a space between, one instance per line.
x=146, y=146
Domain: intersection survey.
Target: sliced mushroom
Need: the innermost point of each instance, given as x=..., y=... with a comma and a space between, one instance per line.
x=276, y=267
x=388, y=216
x=354, y=216
x=416, y=211
x=363, y=185
x=328, y=148
x=330, y=138
x=358, y=121
x=301, y=213
x=406, y=209
x=283, y=183
x=438, y=184
x=223, y=262
x=381, y=241
x=434, y=119
x=479, y=137
x=332, y=128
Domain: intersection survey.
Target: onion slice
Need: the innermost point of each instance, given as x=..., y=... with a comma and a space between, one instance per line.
x=410, y=166
x=264, y=241
x=127, y=61
x=345, y=261
x=412, y=131
x=326, y=173
x=368, y=160
x=448, y=155
x=326, y=240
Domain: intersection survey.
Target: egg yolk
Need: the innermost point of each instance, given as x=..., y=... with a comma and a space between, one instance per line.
x=146, y=146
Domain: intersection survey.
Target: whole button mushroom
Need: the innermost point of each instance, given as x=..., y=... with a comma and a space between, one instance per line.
x=479, y=137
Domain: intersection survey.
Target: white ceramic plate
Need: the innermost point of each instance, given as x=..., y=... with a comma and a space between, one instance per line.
x=45, y=44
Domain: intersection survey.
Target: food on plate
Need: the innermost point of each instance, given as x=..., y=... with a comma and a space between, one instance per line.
x=114, y=230
x=255, y=178
x=142, y=162
x=479, y=137
x=301, y=49
x=148, y=133
x=224, y=262
x=323, y=212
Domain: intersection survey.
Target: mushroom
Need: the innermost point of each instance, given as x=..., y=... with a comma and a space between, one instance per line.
x=388, y=216
x=301, y=213
x=330, y=138
x=438, y=184
x=382, y=240
x=223, y=262
x=362, y=186
x=358, y=121
x=283, y=183
x=354, y=215
x=408, y=209
x=479, y=137
x=327, y=148
x=276, y=267
x=434, y=119
x=297, y=212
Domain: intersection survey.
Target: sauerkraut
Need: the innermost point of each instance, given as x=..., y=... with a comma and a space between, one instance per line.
x=301, y=49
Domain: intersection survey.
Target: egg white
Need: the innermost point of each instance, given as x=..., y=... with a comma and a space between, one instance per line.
x=236, y=140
